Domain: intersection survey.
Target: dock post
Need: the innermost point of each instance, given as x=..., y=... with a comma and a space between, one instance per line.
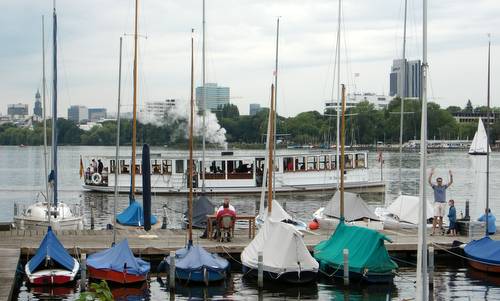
x=346, y=266
x=260, y=271
x=171, y=278
x=431, y=267
x=164, y=223
x=83, y=280
x=92, y=218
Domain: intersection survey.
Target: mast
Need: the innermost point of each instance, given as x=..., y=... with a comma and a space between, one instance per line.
x=134, y=117
x=422, y=293
x=342, y=156
x=54, y=110
x=488, y=113
x=203, y=105
x=402, y=96
x=276, y=91
x=44, y=84
x=190, y=162
x=338, y=90
x=117, y=152
x=270, y=167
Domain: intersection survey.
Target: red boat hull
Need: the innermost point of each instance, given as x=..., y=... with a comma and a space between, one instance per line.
x=484, y=267
x=51, y=280
x=114, y=276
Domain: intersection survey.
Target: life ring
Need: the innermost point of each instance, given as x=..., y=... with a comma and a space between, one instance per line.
x=96, y=179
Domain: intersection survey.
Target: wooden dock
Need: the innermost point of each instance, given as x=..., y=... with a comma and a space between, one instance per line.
x=161, y=242
x=9, y=259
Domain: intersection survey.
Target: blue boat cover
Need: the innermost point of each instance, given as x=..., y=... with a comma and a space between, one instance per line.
x=193, y=258
x=133, y=216
x=52, y=248
x=115, y=259
x=484, y=249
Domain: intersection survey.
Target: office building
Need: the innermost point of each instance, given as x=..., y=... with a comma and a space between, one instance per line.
x=411, y=86
x=96, y=114
x=37, y=110
x=254, y=109
x=157, y=110
x=17, y=111
x=215, y=96
x=380, y=101
x=78, y=114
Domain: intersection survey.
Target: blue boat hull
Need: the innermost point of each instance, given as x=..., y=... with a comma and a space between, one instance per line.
x=334, y=272
x=288, y=277
x=200, y=276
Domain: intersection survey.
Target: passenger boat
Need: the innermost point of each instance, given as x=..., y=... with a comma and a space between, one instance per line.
x=51, y=265
x=118, y=264
x=235, y=172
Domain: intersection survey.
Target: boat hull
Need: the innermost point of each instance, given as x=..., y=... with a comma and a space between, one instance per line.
x=115, y=276
x=199, y=276
x=287, y=277
x=52, y=276
x=484, y=266
x=338, y=273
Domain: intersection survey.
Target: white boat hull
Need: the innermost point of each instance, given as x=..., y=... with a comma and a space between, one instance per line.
x=52, y=276
x=35, y=217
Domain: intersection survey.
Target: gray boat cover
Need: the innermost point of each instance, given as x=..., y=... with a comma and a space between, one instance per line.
x=354, y=207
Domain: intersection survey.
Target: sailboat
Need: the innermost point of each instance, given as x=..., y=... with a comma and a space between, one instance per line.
x=51, y=212
x=193, y=263
x=118, y=264
x=369, y=260
x=285, y=256
x=133, y=217
x=51, y=265
x=484, y=254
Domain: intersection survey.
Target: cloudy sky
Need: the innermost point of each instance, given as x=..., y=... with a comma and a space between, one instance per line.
x=240, y=49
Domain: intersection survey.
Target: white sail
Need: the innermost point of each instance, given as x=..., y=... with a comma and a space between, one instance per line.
x=282, y=247
x=480, y=142
x=479, y=191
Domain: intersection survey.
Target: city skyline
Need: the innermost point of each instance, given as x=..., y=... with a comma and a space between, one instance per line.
x=240, y=50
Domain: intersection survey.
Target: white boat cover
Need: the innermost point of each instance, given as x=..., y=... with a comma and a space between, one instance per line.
x=277, y=213
x=354, y=207
x=480, y=142
x=405, y=208
x=282, y=247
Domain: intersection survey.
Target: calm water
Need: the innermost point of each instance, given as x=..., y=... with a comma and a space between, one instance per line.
x=22, y=178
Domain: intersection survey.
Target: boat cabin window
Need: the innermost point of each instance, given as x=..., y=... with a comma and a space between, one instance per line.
x=179, y=166
x=112, y=165
x=324, y=162
x=348, y=160
x=239, y=169
x=155, y=167
x=333, y=161
x=360, y=161
x=288, y=164
x=217, y=170
x=300, y=163
x=124, y=168
x=166, y=167
x=311, y=163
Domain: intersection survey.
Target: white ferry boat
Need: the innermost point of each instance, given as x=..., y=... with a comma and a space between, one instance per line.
x=233, y=172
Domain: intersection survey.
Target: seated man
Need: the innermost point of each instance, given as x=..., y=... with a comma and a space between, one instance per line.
x=492, y=228
x=226, y=211
x=215, y=223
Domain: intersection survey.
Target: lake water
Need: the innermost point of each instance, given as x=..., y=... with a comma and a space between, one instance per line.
x=22, y=178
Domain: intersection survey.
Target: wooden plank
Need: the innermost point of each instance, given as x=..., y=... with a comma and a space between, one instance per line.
x=9, y=259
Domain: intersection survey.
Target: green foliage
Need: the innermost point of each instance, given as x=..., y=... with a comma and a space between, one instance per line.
x=98, y=291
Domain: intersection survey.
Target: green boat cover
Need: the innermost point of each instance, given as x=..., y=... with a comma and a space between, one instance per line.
x=367, y=252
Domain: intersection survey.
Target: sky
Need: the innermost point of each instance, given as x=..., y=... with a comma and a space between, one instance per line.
x=240, y=49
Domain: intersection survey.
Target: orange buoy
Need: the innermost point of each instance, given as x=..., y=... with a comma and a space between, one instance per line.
x=314, y=225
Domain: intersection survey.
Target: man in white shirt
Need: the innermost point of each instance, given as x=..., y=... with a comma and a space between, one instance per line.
x=226, y=201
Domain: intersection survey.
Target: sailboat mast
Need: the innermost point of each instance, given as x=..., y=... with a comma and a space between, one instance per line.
x=338, y=90
x=134, y=116
x=270, y=167
x=422, y=293
x=488, y=113
x=276, y=92
x=54, y=109
x=203, y=105
x=44, y=92
x=402, y=96
x=190, y=162
x=117, y=152
x=342, y=156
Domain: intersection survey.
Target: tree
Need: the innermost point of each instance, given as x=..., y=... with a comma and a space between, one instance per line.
x=454, y=109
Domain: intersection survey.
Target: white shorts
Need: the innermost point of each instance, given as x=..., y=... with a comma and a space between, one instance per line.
x=439, y=209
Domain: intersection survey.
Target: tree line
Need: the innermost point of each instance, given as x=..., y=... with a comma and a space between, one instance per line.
x=364, y=125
